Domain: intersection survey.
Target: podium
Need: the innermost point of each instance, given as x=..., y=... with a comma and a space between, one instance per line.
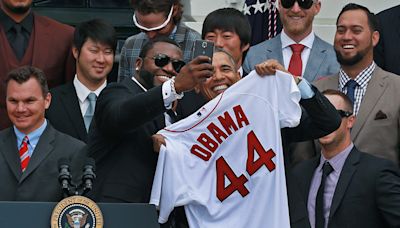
x=38, y=214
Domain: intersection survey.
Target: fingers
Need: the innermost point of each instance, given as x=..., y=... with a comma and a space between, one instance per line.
x=195, y=72
x=268, y=67
x=158, y=140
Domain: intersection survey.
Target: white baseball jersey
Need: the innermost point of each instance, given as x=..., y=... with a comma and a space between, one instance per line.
x=224, y=163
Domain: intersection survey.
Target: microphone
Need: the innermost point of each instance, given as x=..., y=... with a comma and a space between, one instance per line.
x=88, y=175
x=64, y=176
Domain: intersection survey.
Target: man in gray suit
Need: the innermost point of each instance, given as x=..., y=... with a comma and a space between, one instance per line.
x=374, y=91
x=317, y=56
x=30, y=150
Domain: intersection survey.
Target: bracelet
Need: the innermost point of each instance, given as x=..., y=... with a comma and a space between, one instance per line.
x=176, y=95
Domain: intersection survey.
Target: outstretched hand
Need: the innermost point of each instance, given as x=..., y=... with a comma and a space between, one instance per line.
x=269, y=67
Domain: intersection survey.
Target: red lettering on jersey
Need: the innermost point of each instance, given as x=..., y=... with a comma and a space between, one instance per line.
x=240, y=116
x=207, y=142
x=227, y=122
x=216, y=132
x=200, y=152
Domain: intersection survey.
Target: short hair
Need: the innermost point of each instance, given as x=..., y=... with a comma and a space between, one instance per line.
x=157, y=6
x=347, y=102
x=24, y=73
x=372, y=20
x=218, y=49
x=97, y=30
x=228, y=19
x=150, y=44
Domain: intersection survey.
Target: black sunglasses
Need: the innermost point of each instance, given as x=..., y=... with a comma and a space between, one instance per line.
x=344, y=113
x=161, y=60
x=305, y=4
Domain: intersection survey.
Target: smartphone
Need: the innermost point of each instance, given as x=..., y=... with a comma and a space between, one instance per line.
x=203, y=47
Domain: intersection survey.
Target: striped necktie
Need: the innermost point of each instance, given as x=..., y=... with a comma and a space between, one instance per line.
x=24, y=153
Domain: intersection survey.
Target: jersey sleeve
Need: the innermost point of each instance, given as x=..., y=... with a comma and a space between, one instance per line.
x=288, y=100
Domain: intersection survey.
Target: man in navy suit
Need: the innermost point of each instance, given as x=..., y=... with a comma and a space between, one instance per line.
x=93, y=48
x=345, y=187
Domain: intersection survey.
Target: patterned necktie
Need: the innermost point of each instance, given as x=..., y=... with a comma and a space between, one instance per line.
x=87, y=118
x=319, y=205
x=351, y=87
x=296, y=65
x=24, y=153
x=18, y=43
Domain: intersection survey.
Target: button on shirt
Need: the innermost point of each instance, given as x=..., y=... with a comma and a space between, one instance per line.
x=33, y=137
x=82, y=92
x=337, y=163
x=287, y=51
x=362, y=80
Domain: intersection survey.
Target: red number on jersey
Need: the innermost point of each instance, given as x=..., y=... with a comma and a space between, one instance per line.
x=265, y=157
x=237, y=183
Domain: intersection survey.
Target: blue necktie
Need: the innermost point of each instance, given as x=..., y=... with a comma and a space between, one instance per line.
x=351, y=87
x=87, y=118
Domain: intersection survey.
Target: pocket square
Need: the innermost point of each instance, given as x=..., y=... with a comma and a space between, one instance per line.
x=380, y=115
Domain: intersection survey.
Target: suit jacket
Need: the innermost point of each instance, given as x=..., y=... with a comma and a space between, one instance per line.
x=49, y=49
x=120, y=141
x=322, y=60
x=39, y=182
x=387, y=52
x=367, y=193
x=376, y=130
x=64, y=112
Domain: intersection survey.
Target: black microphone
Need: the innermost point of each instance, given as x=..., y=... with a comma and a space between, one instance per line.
x=88, y=175
x=64, y=176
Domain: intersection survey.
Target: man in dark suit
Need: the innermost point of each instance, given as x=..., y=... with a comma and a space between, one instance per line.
x=71, y=109
x=387, y=52
x=345, y=187
x=30, y=150
x=42, y=42
x=128, y=113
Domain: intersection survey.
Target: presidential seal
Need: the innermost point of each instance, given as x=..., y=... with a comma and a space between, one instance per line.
x=76, y=212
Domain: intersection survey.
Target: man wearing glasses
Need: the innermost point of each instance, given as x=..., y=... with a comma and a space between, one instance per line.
x=345, y=187
x=128, y=113
x=154, y=19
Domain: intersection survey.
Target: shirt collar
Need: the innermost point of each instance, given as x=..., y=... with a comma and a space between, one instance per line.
x=287, y=41
x=33, y=137
x=362, y=78
x=338, y=160
x=8, y=22
x=82, y=91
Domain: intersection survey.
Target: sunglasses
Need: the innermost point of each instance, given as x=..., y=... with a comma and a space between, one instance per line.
x=344, y=113
x=161, y=60
x=304, y=4
x=144, y=28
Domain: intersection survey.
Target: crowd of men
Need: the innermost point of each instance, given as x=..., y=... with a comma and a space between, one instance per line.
x=341, y=162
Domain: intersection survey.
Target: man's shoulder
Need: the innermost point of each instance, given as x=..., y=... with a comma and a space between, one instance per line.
x=64, y=139
x=53, y=24
x=132, y=41
x=5, y=132
x=327, y=81
x=267, y=44
x=374, y=163
x=67, y=87
x=189, y=33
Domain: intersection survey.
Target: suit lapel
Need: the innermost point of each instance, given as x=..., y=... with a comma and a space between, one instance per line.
x=317, y=56
x=376, y=87
x=42, y=150
x=349, y=167
x=70, y=102
x=274, y=50
x=308, y=175
x=10, y=151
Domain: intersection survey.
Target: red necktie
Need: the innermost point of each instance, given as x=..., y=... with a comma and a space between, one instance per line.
x=23, y=153
x=296, y=65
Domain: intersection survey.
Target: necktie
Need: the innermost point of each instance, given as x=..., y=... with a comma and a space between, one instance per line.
x=296, y=65
x=351, y=87
x=87, y=118
x=18, y=43
x=23, y=153
x=319, y=205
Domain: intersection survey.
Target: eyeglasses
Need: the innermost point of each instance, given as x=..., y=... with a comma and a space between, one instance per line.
x=304, y=4
x=154, y=28
x=344, y=113
x=161, y=60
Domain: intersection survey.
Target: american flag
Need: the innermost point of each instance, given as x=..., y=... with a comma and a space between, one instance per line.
x=264, y=19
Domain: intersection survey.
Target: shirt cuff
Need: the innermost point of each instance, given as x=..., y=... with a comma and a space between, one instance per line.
x=306, y=91
x=169, y=94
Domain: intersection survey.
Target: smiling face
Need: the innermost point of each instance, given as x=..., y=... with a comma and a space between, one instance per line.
x=354, y=40
x=16, y=6
x=225, y=75
x=296, y=21
x=26, y=104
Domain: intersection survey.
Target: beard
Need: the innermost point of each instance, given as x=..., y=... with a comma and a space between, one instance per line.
x=146, y=78
x=18, y=9
x=348, y=62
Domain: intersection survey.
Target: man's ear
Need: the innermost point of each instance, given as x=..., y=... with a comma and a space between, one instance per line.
x=351, y=120
x=75, y=53
x=375, y=38
x=138, y=63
